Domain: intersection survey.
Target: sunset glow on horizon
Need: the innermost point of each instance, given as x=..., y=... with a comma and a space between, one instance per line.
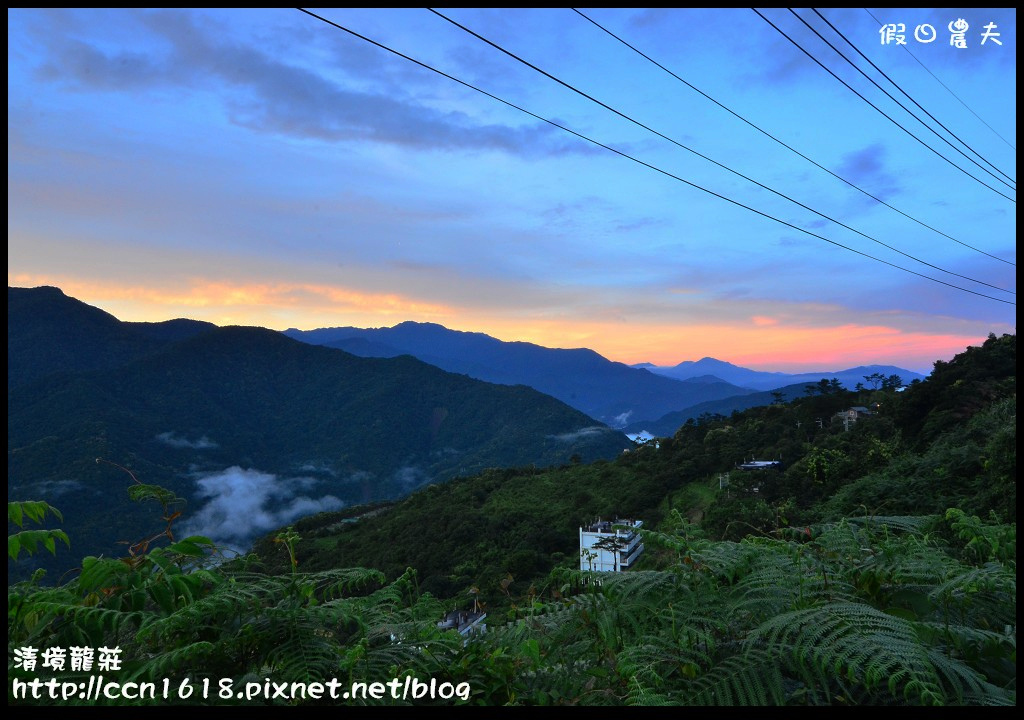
x=260, y=167
x=762, y=346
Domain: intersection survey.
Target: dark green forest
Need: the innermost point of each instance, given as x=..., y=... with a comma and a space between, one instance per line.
x=876, y=565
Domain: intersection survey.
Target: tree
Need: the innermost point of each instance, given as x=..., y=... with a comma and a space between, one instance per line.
x=893, y=382
x=875, y=378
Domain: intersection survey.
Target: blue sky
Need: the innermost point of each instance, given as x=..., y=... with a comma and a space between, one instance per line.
x=261, y=167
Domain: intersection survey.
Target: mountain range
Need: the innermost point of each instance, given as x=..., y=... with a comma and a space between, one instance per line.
x=619, y=395
x=251, y=427
x=760, y=380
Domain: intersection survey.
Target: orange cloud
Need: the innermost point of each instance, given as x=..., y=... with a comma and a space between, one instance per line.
x=761, y=342
x=261, y=304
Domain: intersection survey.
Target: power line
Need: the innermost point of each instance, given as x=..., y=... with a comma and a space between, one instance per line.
x=918, y=61
x=781, y=32
x=705, y=157
x=897, y=86
x=643, y=163
x=909, y=112
x=783, y=144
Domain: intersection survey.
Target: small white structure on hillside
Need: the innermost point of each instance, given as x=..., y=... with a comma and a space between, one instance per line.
x=760, y=464
x=852, y=415
x=610, y=545
x=466, y=622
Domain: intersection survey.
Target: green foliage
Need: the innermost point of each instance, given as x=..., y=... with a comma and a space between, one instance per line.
x=984, y=542
x=971, y=466
x=175, y=615
x=31, y=540
x=476, y=531
x=873, y=610
x=958, y=389
x=875, y=569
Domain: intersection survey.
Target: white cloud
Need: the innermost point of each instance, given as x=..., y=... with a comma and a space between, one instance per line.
x=245, y=503
x=172, y=439
x=586, y=432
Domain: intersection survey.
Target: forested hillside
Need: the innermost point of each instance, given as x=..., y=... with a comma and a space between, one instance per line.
x=909, y=457
x=253, y=428
x=876, y=566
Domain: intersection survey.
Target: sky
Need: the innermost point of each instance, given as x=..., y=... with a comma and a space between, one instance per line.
x=617, y=187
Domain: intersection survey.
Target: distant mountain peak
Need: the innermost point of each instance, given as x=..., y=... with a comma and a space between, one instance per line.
x=766, y=380
x=708, y=362
x=417, y=323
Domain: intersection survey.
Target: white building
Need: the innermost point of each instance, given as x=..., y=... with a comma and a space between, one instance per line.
x=610, y=545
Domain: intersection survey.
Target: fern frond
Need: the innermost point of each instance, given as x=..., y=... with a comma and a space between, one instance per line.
x=726, y=560
x=640, y=695
x=840, y=540
x=341, y=582
x=994, y=696
x=868, y=647
x=985, y=596
x=666, y=661
x=908, y=562
x=93, y=618
x=297, y=653
x=910, y=524
x=788, y=578
x=752, y=678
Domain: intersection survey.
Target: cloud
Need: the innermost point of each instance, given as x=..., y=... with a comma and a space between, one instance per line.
x=866, y=168
x=172, y=439
x=266, y=95
x=318, y=467
x=409, y=478
x=587, y=432
x=622, y=419
x=245, y=503
x=90, y=67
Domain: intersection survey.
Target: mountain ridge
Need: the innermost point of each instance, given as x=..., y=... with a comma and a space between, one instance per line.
x=249, y=423
x=771, y=380
x=617, y=394
x=609, y=391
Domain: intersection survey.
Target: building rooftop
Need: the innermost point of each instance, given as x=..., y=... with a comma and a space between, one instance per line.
x=759, y=464
x=608, y=526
